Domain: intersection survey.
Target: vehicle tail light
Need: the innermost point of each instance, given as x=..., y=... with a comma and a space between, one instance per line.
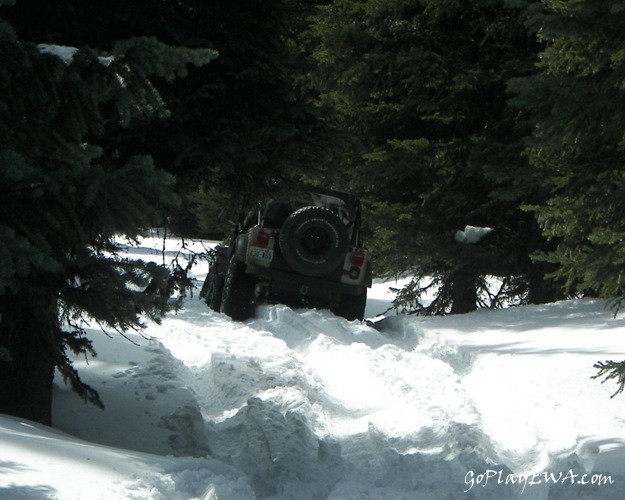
x=262, y=239
x=358, y=259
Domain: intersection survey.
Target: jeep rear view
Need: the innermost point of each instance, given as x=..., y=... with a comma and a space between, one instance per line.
x=302, y=250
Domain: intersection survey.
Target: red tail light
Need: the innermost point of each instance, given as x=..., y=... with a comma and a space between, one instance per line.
x=358, y=259
x=262, y=240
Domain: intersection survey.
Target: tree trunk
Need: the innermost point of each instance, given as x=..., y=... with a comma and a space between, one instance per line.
x=29, y=331
x=541, y=290
x=463, y=291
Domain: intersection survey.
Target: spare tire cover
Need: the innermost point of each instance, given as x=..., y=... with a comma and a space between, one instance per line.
x=313, y=241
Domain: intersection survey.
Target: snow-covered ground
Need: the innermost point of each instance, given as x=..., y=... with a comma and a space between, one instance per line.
x=303, y=404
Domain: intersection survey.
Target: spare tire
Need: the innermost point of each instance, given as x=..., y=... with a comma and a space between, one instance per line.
x=313, y=241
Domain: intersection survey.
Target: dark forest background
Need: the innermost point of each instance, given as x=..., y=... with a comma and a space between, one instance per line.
x=439, y=114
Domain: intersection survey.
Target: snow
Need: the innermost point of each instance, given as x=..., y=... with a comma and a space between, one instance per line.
x=298, y=404
x=66, y=54
x=63, y=52
x=472, y=234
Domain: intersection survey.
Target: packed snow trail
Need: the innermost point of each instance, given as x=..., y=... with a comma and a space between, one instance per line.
x=306, y=401
x=298, y=404
x=309, y=405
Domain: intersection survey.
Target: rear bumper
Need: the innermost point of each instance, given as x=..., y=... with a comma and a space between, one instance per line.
x=285, y=281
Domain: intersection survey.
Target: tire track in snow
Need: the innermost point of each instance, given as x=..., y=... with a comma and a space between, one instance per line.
x=393, y=404
x=294, y=398
x=370, y=380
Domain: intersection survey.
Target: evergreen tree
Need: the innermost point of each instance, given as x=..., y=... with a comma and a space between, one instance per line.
x=577, y=149
x=67, y=194
x=423, y=87
x=251, y=123
x=236, y=123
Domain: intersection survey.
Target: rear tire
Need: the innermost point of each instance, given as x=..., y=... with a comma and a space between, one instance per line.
x=352, y=307
x=238, y=299
x=212, y=289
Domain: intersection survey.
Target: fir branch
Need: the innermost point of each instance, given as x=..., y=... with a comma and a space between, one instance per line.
x=611, y=370
x=5, y=355
x=85, y=391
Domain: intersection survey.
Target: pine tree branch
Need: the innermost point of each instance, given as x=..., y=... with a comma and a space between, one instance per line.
x=611, y=370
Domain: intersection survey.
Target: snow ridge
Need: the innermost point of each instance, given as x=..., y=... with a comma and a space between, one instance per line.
x=328, y=416
x=303, y=404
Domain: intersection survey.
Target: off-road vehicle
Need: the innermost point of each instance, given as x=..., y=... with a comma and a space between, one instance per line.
x=303, y=250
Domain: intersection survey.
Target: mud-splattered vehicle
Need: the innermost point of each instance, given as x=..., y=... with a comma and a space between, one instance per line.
x=303, y=250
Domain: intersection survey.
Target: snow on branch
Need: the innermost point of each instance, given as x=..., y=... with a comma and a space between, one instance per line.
x=66, y=54
x=472, y=234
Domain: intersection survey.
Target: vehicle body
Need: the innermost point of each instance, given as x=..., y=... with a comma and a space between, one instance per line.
x=302, y=250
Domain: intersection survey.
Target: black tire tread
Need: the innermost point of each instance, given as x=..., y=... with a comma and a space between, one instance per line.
x=352, y=307
x=212, y=289
x=238, y=300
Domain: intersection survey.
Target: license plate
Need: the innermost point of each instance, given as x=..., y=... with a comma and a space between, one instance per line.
x=261, y=254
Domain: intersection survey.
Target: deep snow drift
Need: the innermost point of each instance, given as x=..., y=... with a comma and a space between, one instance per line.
x=303, y=404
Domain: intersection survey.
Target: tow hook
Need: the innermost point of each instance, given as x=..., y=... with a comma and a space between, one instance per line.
x=303, y=290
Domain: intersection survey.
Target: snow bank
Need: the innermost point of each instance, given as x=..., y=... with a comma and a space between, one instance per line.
x=303, y=404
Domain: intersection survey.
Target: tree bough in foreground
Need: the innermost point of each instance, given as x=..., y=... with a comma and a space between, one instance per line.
x=66, y=197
